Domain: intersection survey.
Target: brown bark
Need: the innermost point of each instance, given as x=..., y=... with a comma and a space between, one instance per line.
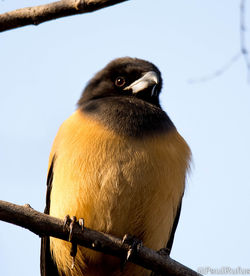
x=39, y=14
x=45, y=225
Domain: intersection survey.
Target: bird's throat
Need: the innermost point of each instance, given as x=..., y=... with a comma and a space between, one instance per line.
x=128, y=116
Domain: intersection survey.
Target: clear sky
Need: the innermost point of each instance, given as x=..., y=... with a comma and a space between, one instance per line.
x=44, y=69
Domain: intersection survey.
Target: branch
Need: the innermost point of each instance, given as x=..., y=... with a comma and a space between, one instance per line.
x=45, y=225
x=243, y=45
x=218, y=72
x=242, y=53
x=43, y=13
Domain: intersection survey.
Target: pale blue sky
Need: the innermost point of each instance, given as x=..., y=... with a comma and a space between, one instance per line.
x=44, y=69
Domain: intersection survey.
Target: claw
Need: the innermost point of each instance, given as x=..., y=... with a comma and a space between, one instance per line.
x=66, y=222
x=73, y=263
x=165, y=252
x=81, y=223
x=134, y=246
x=73, y=252
x=69, y=224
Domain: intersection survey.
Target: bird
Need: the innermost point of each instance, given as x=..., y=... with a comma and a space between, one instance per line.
x=119, y=163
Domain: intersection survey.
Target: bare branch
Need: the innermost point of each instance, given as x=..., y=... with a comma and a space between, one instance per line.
x=243, y=45
x=218, y=72
x=45, y=225
x=40, y=14
x=242, y=53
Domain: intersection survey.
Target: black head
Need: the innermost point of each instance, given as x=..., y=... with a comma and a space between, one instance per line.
x=125, y=77
x=124, y=97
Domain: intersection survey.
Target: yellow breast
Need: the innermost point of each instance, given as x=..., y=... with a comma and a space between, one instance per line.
x=117, y=184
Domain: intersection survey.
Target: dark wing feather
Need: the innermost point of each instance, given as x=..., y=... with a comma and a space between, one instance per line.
x=171, y=238
x=47, y=265
x=176, y=220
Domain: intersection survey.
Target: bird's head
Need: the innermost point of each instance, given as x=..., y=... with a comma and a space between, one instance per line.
x=125, y=77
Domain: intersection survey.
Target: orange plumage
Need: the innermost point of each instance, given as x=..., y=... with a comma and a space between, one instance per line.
x=119, y=184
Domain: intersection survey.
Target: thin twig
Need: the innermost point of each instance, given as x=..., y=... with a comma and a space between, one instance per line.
x=39, y=14
x=242, y=53
x=44, y=225
x=243, y=46
x=218, y=72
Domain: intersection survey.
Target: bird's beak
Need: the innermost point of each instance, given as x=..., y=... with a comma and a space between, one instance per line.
x=149, y=79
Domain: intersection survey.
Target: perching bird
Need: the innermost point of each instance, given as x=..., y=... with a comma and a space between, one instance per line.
x=119, y=163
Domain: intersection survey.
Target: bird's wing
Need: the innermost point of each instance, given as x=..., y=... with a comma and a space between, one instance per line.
x=171, y=238
x=47, y=265
x=176, y=220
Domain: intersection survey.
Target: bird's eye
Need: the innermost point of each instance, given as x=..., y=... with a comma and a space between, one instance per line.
x=120, y=81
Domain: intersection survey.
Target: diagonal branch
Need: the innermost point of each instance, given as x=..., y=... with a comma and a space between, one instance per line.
x=39, y=14
x=218, y=72
x=42, y=225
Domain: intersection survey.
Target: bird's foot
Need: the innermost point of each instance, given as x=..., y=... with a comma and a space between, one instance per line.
x=165, y=252
x=69, y=224
x=134, y=246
